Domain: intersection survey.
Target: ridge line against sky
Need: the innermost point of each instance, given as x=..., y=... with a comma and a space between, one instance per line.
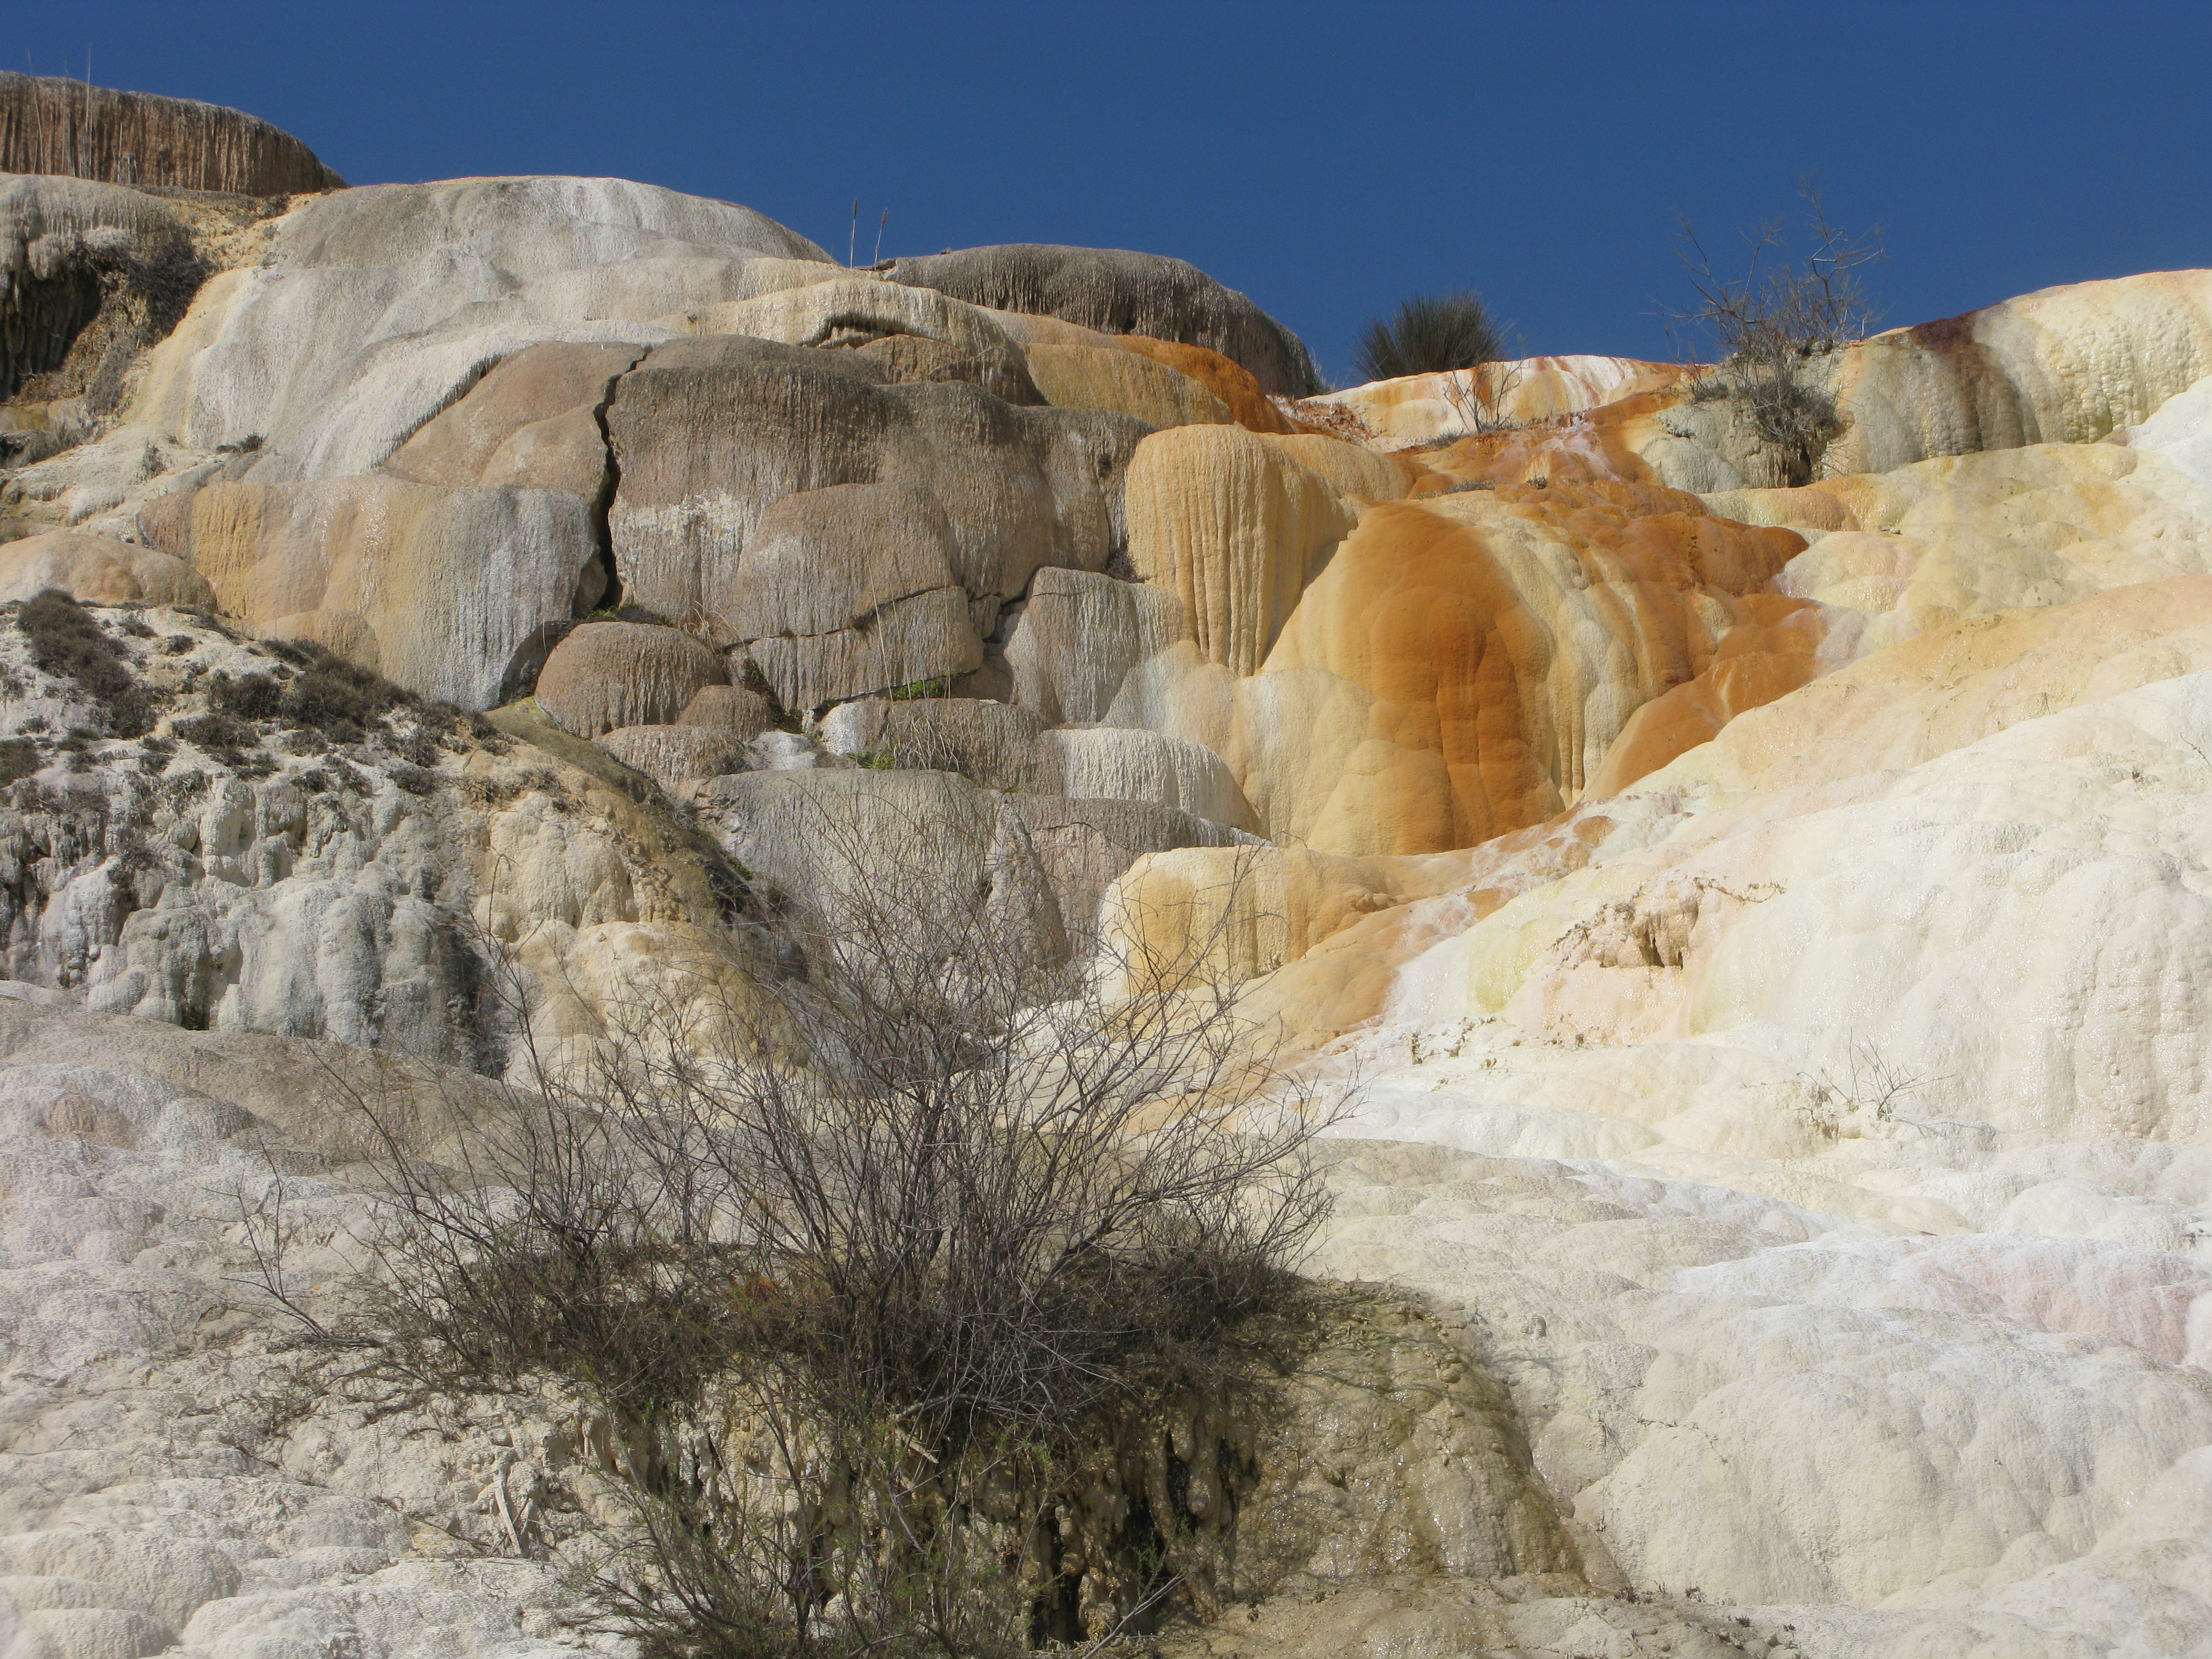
x=1326, y=159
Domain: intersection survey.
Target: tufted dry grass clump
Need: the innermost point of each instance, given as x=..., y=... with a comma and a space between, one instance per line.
x=866, y=1263
x=325, y=693
x=1429, y=334
x=320, y=699
x=67, y=642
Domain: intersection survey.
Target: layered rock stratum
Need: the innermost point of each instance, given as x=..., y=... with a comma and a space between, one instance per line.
x=1757, y=922
x=51, y=123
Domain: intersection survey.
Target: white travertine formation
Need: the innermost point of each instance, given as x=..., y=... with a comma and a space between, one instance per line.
x=1419, y=409
x=1771, y=929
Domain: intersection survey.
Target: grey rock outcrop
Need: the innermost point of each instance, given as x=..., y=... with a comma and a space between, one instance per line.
x=927, y=638
x=608, y=674
x=1129, y=764
x=449, y=593
x=1115, y=291
x=739, y=712
x=1078, y=637
x=1086, y=846
x=288, y=848
x=676, y=757
x=823, y=559
x=850, y=589
x=858, y=535
x=90, y=275
x=315, y=355
x=51, y=124
x=1039, y=864
x=905, y=333
x=1007, y=747
x=849, y=841
x=995, y=744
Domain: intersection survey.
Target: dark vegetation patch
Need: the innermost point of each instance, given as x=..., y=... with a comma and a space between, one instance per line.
x=935, y=1342
x=80, y=322
x=1429, y=334
x=1777, y=326
x=67, y=643
x=250, y=697
x=324, y=692
x=312, y=697
x=322, y=697
x=218, y=734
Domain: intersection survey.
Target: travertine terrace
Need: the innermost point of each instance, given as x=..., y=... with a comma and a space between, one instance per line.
x=1762, y=931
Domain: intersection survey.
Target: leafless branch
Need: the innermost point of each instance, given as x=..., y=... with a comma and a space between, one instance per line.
x=1768, y=326
x=859, y=1241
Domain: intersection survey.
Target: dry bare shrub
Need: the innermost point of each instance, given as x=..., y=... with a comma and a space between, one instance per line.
x=1480, y=396
x=868, y=1262
x=1769, y=326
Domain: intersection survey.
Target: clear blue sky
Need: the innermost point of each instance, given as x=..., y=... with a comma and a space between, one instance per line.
x=1326, y=159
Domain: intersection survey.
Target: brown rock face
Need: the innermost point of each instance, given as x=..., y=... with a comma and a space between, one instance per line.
x=1119, y=292
x=906, y=359
x=1462, y=666
x=1105, y=377
x=533, y=422
x=607, y=675
x=826, y=559
x=1768, y=654
x=1225, y=377
x=52, y=125
x=736, y=711
x=849, y=589
x=775, y=490
x=448, y=592
x=676, y=757
x=99, y=570
x=929, y=637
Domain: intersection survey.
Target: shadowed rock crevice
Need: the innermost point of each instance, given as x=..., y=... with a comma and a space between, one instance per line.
x=611, y=594
x=90, y=276
x=599, y=587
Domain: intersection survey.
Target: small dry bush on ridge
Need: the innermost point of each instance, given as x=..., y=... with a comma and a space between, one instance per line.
x=1772, y=325
x=1429, y=334
x=867, y=1260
